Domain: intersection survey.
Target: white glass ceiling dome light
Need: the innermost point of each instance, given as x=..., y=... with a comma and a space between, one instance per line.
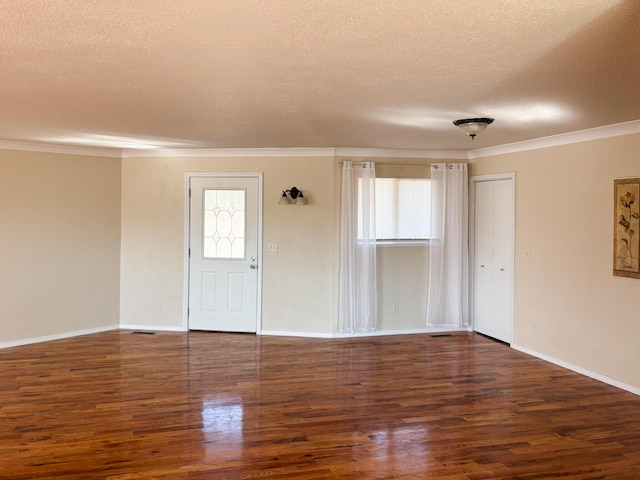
x=473, y=126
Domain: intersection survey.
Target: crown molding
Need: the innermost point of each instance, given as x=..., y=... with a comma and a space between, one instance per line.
x=618, y=129
x=297, y=152
x=399, y=153
x=229, y=152
x=62, y=149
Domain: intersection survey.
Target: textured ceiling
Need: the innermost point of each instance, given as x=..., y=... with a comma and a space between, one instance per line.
x=313, y=73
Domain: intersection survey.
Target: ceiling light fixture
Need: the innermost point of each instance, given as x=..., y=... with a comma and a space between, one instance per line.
x=473, y=126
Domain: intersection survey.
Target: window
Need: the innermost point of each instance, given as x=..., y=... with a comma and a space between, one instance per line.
x=224, y=223
x=403, y=210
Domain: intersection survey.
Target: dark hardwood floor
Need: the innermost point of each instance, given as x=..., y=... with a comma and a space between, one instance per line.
x=122, y=405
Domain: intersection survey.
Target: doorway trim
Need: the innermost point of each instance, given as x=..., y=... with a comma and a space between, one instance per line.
x=472, y=242
x=187, y=239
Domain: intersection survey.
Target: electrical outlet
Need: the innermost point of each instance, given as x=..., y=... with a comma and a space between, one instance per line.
x=395, y=309
x=535, y=328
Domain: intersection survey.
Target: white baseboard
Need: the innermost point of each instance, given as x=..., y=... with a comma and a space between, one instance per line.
x=57, y=336
x=152, y=328
x=279, y=333
x=380, y=333
x=377, y=333
x=580, y=370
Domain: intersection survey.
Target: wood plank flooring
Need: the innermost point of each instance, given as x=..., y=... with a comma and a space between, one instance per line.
x=122, y=406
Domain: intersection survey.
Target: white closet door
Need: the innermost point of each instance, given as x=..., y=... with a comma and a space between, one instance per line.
x=503, y=260
x=483, y=264
x=493, y=259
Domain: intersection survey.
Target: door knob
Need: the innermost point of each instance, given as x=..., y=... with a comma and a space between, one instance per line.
x=253, y=266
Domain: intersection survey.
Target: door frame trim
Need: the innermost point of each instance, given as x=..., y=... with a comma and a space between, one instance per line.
x=187, y=223
x=472, y=242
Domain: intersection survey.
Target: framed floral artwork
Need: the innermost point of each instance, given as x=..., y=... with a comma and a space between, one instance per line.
x=626, y=228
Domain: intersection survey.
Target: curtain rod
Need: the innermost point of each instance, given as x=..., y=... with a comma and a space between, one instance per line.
x=388, y=164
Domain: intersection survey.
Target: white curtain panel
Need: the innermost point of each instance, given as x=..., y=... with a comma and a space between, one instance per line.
x=358, y=294
x=448, y=298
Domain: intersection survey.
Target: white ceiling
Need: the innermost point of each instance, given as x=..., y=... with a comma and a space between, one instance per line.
x=313, y=73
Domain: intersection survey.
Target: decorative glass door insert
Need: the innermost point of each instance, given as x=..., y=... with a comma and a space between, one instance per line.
x=224, y=224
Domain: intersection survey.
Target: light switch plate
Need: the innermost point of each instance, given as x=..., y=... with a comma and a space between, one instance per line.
x=272, y=247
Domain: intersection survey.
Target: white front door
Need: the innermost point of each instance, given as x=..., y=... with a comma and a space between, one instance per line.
x=223, y=253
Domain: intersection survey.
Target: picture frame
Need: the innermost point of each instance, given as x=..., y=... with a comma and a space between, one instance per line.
x=626, y=227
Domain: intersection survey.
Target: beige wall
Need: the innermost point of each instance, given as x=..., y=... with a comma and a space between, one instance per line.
x=568, y=305
x=403, y=280
x=298, y=280
x=60, y=244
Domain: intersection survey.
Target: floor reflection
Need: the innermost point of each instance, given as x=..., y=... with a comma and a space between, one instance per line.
x=222, y=425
